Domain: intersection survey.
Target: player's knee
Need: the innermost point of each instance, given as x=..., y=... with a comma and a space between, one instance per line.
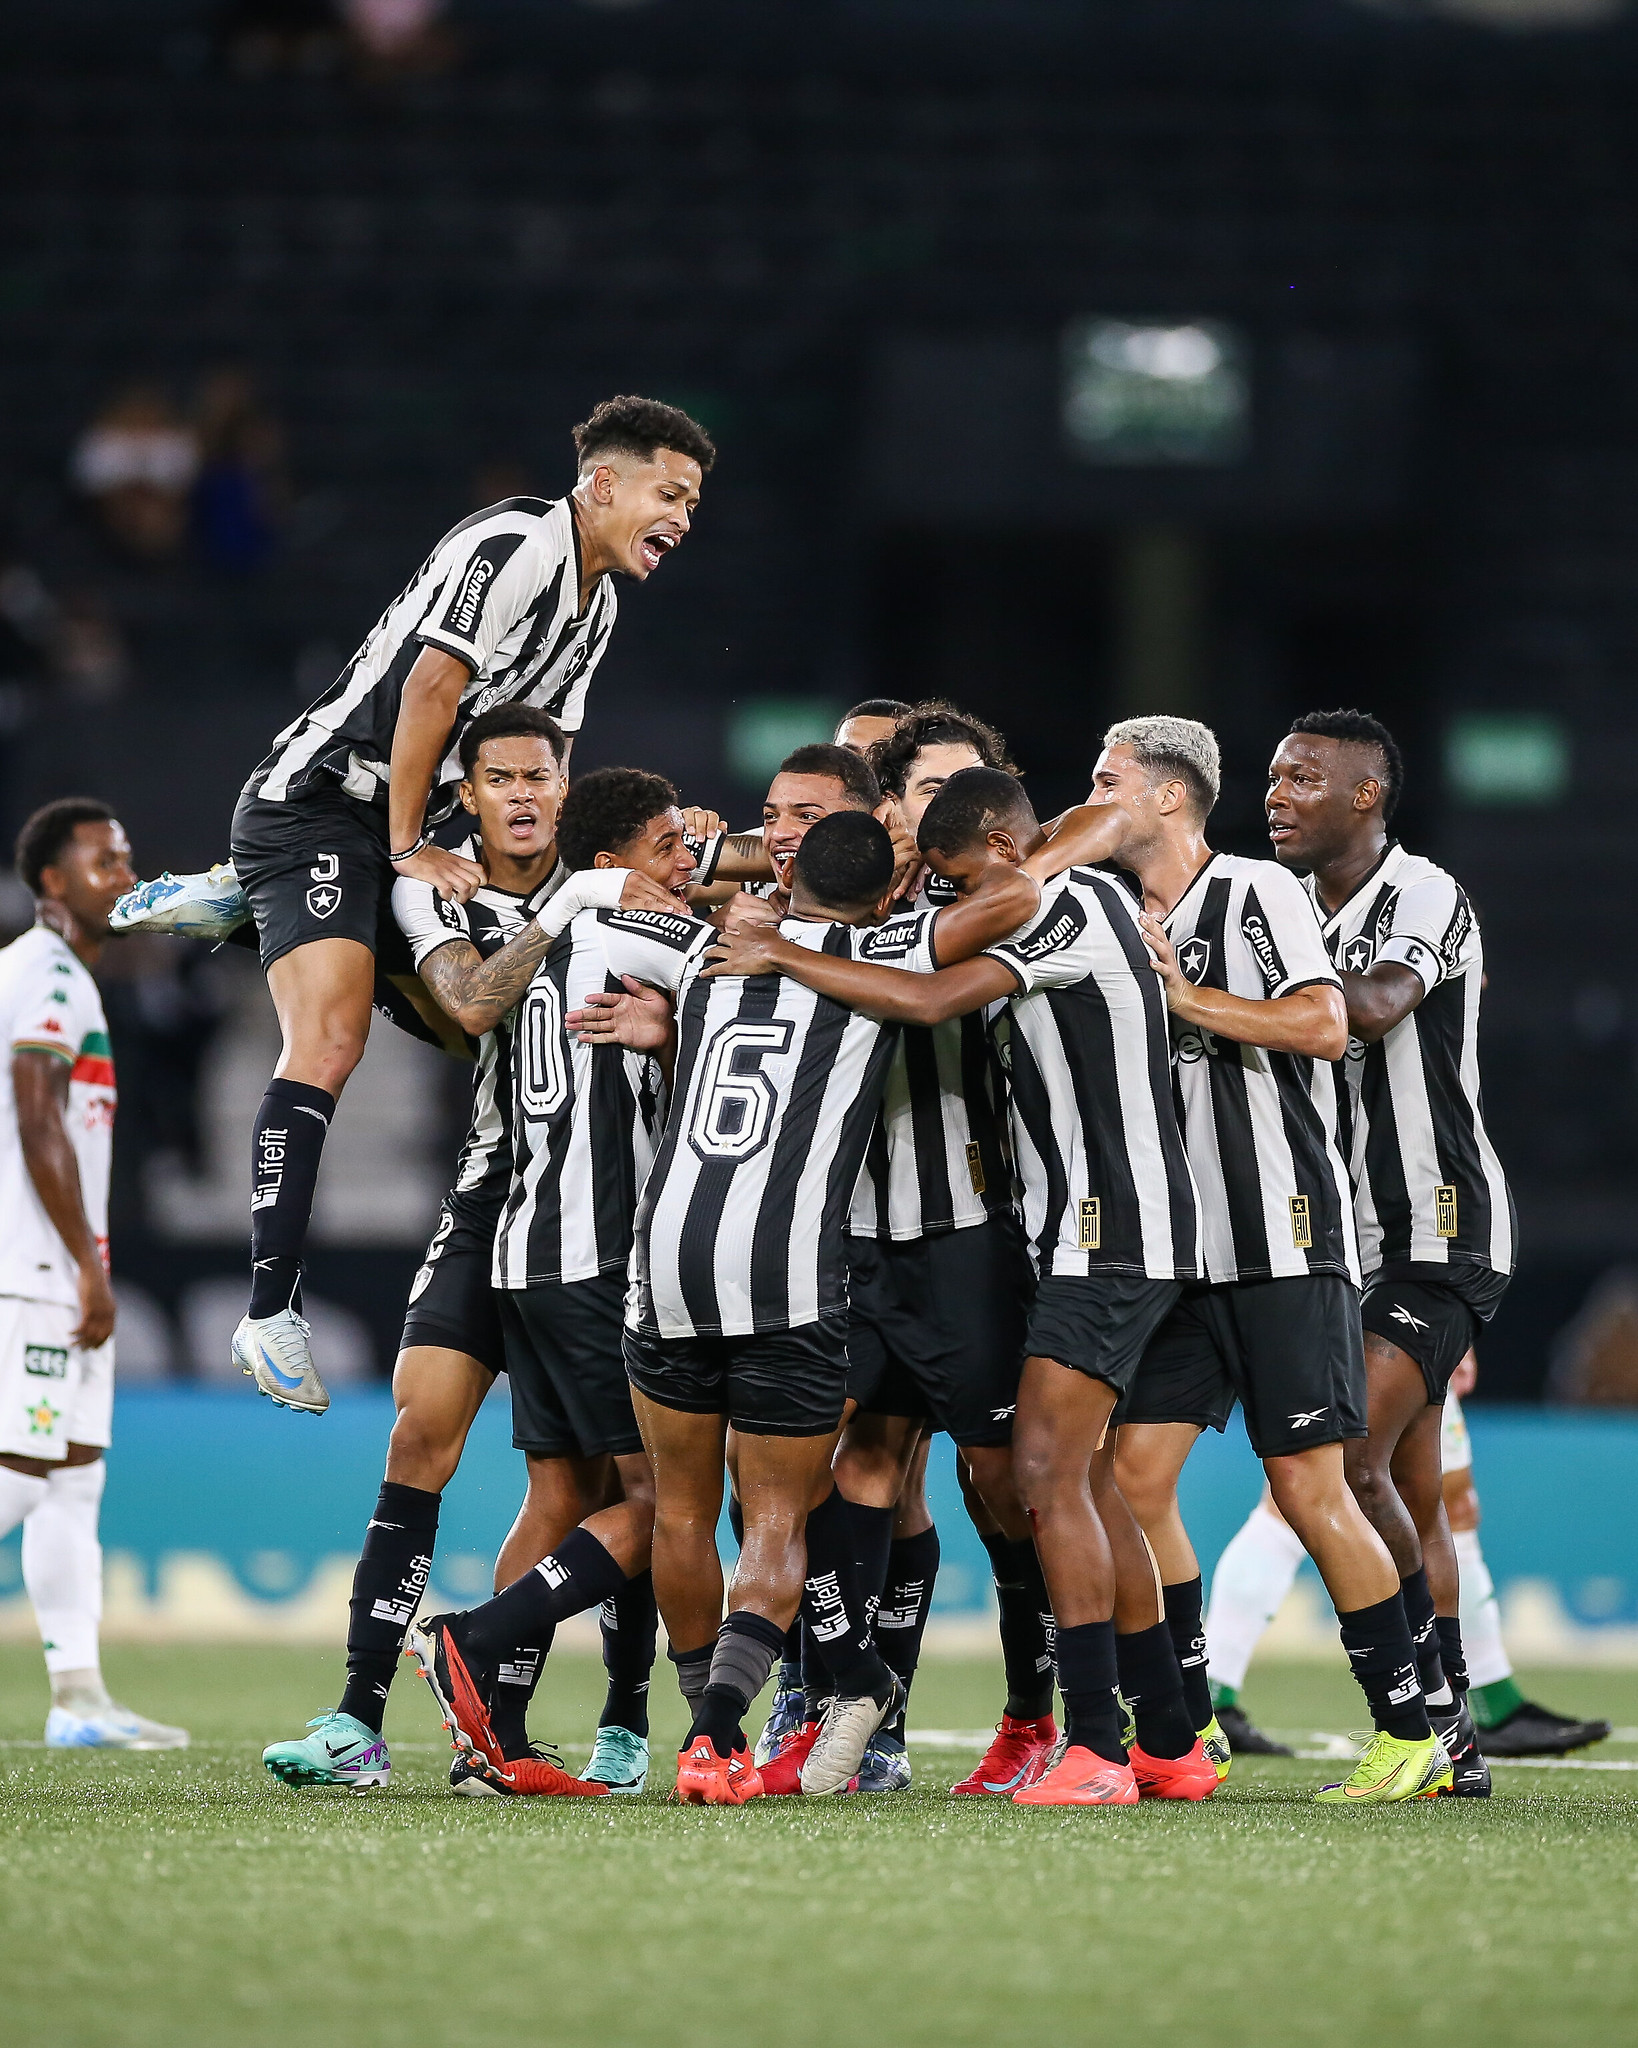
x=422, y=1451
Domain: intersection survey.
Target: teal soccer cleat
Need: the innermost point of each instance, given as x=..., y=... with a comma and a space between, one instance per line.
x=337, y=1751
x=620, y=1760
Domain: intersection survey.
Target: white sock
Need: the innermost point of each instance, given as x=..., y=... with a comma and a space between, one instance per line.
x=62, y=1569
x=1482, y=1645
x=20, y=1494
x=1253, y=1576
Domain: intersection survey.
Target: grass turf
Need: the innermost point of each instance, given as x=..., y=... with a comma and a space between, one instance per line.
x=189, y=1899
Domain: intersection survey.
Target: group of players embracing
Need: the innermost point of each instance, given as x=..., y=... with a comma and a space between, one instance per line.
x=908, y=1113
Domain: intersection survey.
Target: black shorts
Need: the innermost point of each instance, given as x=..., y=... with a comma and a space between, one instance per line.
x=1433, y=1313
x=315, y=867
x=1291, y=1351
x=1098, y=1323
x=782, y=1383
x=451, y=1303
x=936, y=1327
x=570, y=1396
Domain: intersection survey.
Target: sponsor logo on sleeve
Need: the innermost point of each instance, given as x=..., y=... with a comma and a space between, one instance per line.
x=1254, y=929
x=462, y=615
x=1061, y=930
x=1457, y=933
x=890, y=941
x=654, y=924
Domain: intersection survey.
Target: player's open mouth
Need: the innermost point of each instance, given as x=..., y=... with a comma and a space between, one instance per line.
x=1278, y=829
x=522, y=823
x=654, y=547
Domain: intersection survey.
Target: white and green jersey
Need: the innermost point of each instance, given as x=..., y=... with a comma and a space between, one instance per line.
x=50, y=1004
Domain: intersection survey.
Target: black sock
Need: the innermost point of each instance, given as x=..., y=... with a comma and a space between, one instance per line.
x=833, y=1602
x=1026, y=1625
x=817, y=1683
x=1189, y=1641
x=901, y=1620
x=387, y=1588
x=1378, y=1643
x=1424, y=1630
x=285, y=1149
x=579, y=1574
x=516, y=1677
x=1152, y=1686
x=630, y=1622
x=1451, y=1654
x=746, y=1647
x=1087, y=1678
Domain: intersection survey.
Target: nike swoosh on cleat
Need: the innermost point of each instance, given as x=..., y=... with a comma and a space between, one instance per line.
x=284, y=1379
x=1003, y=1784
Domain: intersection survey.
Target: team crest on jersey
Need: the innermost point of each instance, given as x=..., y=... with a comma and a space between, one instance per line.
x=1357, y=955
x=1194, y=957
x=579, y=655
x=323, y=898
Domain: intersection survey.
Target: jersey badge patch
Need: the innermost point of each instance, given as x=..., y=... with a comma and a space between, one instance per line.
x=1302, y=1223
x=1091, y=1238
x=1194, y=957
x=975, y=1168
x=1444, y=1211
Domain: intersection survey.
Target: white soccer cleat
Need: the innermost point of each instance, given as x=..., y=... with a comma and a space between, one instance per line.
x=206, y=906
x=846, y=1725
x=109, y=1727
x=276, y=1353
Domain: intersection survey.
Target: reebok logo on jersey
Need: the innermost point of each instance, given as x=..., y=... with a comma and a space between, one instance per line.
x=1194, y=957
x=1003, y=1414
x=1306, y=1416
x=1398, y=1314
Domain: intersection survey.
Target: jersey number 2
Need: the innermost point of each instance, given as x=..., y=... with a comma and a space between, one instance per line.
x=734, y=1107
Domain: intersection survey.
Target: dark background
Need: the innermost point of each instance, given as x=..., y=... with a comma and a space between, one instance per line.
x=849, y=237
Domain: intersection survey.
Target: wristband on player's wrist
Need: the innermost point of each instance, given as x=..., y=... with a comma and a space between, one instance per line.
x=410, y=852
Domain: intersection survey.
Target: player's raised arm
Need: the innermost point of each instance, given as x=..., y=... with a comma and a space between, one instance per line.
x=426, y=717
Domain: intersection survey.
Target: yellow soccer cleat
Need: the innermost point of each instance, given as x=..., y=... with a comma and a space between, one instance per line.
x=1390, y=1768
x=1216, y=1745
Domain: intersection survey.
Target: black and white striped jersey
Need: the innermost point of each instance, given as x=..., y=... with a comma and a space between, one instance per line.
x=1261, y=1127
x=1095, y=1134
x=937, y=1159
x=740, y=1228
x=586, y=1119
x=487, y=921
x=500, y=592
x=1427, y=1183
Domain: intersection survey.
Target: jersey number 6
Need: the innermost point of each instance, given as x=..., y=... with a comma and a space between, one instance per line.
x=735, y=1103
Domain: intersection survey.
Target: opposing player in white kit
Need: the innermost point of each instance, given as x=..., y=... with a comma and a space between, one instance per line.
x=56, y=1306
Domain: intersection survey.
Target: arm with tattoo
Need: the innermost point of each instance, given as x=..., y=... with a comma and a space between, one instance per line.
x=477, y=992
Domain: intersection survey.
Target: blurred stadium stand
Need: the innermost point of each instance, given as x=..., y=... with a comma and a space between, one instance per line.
x=851, y=237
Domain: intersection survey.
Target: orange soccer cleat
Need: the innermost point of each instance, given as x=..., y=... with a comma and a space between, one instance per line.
x=432, y=1645
x=706, y=1779
x=1005, y=1765
x=1190, y=1776
x=1080, y=1778
x=539, y=1775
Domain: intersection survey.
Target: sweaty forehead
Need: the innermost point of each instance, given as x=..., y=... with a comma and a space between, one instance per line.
x=518, y=751
x=1329, y=756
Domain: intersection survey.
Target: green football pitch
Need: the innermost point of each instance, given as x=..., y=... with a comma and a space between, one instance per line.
x=184, y=1899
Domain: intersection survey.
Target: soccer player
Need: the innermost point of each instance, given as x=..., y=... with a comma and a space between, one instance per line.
x=478, y=957
x=56, y=1305
x=738, y=1309
x=1437, y=1231
x=1258, y=1014
x=1113, y=1228
x=516, y=604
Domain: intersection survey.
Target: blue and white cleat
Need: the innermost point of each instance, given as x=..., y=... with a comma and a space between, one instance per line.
x=785, y=1719
x=337, y=1751
x=207, y=906
x=109, y=1727
x=619, y=1760
x=886, y=1766
x=275, y=1352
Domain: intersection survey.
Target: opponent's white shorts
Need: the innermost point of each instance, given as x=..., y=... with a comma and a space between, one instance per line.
x=1455, y=1445
x=52, y=1394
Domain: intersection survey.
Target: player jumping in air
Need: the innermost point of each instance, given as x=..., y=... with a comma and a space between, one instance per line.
x=514, y=605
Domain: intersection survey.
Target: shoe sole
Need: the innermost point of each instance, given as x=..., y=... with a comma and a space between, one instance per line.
x=1030, y=1796
x=281, y=1399
x=421, y=1650
x=292, y=1773
x=628, y=1787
